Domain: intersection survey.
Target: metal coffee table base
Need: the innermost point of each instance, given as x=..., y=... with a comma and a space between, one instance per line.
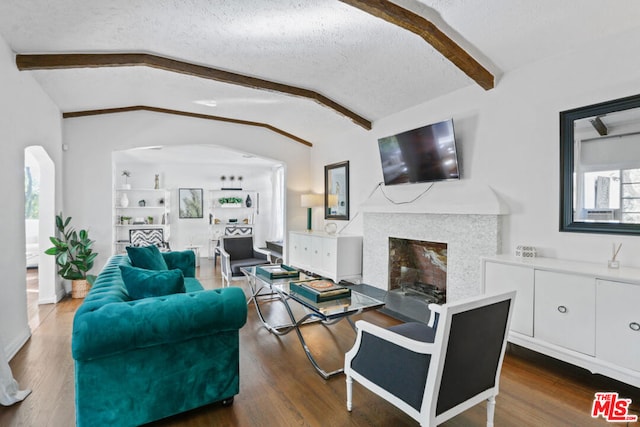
x=310, y=317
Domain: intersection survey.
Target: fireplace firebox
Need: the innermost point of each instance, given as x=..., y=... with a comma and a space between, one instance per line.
x=418, y=268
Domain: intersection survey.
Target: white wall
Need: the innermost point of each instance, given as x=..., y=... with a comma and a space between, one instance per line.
x=508, y=138
x=92, y=140
x=27, y=117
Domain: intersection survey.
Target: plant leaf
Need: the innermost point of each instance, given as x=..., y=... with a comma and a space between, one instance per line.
x=51, y=251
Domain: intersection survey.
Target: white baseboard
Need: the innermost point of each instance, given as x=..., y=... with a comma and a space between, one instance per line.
x=14, y=346
x=60, y=293
x=51, y=300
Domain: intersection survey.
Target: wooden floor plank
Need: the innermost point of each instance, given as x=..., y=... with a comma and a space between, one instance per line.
x=279, y=387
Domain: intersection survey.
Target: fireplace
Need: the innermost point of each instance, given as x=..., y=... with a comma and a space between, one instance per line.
x=418, y=268
x=466, y=216
x=468, y=239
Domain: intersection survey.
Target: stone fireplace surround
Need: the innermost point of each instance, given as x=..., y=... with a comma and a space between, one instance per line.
x=467, y=218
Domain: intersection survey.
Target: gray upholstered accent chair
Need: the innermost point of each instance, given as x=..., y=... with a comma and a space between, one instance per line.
x=237, y=252
x=435, y=371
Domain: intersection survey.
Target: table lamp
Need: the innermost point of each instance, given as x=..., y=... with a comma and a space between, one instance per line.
x=310, y=201
x=332, y=200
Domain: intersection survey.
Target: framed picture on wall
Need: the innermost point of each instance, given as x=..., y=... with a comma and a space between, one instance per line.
x=336, y=191
x=190, y=202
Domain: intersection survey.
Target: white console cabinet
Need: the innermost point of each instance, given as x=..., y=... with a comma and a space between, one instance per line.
x=582, y=313
x=618, y=325
x=336, y=256
x=502, y=278
x=564, y=312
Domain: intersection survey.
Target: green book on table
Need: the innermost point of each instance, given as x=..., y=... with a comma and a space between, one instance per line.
x=318, y=290
x=281, y=271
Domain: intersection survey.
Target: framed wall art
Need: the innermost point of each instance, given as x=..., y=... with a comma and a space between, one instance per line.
x=190, y=202
x=336, y=191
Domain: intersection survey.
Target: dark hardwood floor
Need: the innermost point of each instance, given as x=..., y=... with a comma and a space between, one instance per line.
x=278, y=386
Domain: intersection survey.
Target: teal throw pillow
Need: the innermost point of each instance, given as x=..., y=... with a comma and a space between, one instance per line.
x=184, y=260
x=142, y=283
x=148, y=257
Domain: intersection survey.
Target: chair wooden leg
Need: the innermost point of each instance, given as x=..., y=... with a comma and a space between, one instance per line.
x=349, y=392
x=491, y=409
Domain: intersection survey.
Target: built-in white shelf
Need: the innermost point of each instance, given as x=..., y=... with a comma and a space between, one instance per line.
x=156, y=206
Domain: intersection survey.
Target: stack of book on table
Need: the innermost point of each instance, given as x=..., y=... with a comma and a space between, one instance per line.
x=281, y=271
x=319, y=290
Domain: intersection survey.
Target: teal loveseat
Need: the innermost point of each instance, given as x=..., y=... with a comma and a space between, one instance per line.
x=141, y=360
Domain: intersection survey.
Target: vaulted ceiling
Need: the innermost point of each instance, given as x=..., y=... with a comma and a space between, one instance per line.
x=349, y=62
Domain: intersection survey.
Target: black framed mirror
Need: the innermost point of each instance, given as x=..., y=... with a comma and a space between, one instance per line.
x=336, y=191
x=600, y=167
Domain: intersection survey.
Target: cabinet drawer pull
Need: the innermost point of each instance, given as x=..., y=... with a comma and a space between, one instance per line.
x=562, y=309
x=635, y=326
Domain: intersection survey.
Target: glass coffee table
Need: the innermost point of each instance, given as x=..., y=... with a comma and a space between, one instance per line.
x=266, y=290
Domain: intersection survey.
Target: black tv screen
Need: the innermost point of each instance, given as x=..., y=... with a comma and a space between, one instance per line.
x=425, y=154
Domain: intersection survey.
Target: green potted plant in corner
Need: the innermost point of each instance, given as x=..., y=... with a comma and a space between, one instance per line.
x=74, y=256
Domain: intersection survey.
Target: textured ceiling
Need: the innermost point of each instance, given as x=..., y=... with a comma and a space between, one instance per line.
x=368, y=65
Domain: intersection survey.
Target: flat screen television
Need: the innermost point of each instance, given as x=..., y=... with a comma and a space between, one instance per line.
x=425, y=154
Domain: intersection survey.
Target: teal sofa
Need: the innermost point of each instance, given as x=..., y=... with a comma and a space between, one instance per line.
x=142, y=360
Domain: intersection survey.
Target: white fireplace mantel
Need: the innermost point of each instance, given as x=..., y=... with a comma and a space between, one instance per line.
x=465, y=216
x=447, y=197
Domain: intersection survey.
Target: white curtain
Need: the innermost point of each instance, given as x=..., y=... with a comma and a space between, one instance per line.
x=9, y=392
x=276, y=231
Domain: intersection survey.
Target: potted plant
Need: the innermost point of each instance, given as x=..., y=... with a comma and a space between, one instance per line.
x=230, y=202
x=74, y=256
x=126, y=185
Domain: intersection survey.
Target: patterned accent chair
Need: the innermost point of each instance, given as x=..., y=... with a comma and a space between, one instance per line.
x=141, y=237
x=435, y=371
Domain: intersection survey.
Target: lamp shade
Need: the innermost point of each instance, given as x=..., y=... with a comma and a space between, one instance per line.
x=311, y=200
x=332, y=200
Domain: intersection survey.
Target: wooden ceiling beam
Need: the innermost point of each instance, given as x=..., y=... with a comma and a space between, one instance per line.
x=86, y=113
x=408, y=20
x=599, y=126
x=98, y=60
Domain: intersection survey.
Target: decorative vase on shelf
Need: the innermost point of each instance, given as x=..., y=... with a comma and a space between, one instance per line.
x=248, y=202
x=124, y=200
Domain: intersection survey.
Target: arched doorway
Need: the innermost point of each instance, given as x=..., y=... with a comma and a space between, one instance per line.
x=41, y=221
